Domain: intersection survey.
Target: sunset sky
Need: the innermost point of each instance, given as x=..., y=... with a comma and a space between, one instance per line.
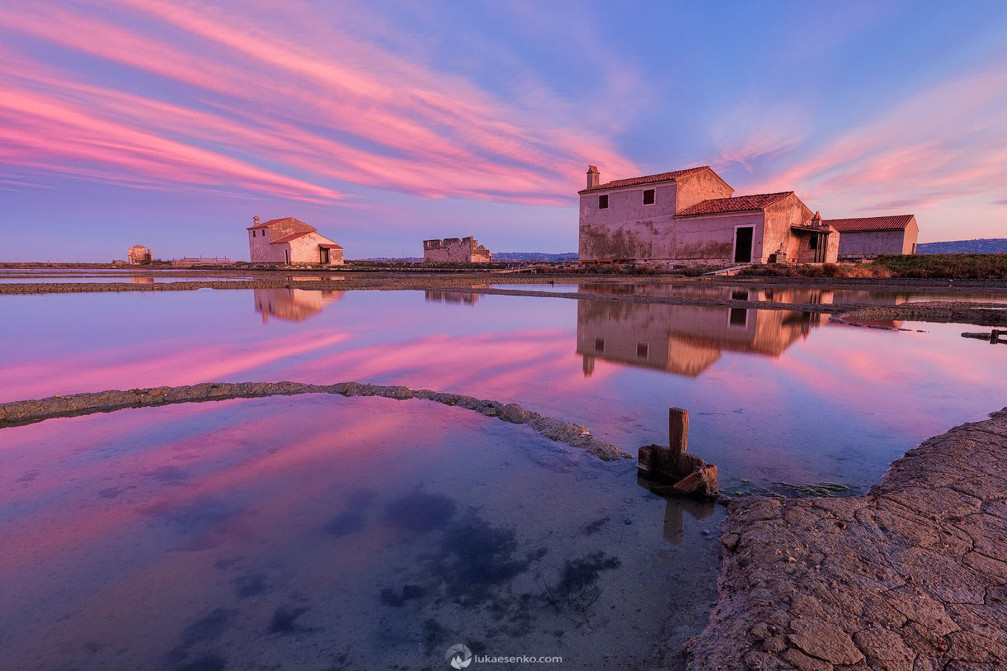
x=172, y=123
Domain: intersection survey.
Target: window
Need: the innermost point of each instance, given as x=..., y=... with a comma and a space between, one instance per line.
x=599, y=344
x=603, y=202
x=813, y=242
x=642, y=349
x=253, y=234
x=738, y=317
x=739, y=295
x=648, y=197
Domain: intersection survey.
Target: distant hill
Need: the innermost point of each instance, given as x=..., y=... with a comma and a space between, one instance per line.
x=981, y=246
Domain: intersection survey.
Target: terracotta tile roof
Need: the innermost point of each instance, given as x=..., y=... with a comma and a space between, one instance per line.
x=890, y=223
x=647, y=179
x=329, y=245
x=295, y=223
x=292, y=236
x=757, y=201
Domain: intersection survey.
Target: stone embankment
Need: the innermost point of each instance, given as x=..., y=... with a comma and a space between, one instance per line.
x=18, y=413
x=912, y=576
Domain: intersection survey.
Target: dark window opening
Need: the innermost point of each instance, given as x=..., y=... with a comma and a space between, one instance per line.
x=813, y=242
x=738, y=317
x=648, y=197
x=642, y=349
x=599, y=344
x=602, y=202
x=739, y=295
x=253, y=234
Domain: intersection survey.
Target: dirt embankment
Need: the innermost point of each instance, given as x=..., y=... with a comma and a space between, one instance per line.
x=18, y=413
x=986, y=314
x=912, y=575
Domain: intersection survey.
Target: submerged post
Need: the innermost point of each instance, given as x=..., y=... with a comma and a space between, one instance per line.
x=678, y=431
x=994, y=336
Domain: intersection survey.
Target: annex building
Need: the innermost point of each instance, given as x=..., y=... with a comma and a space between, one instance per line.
x=692, y=217
x=870, y=236
x=291, y=242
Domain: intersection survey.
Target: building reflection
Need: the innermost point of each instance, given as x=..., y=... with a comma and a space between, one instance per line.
x=294, y=305
x=437, y=296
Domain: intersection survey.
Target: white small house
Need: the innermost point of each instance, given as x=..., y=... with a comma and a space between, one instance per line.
x=291, y=242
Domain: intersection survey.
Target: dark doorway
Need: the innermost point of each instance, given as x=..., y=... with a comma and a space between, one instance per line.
x=323, y=255
x=743, y=244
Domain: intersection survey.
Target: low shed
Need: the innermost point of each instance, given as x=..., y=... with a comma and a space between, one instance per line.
x=870, y=236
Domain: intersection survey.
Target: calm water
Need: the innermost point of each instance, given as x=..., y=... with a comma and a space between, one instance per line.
x=317, y=532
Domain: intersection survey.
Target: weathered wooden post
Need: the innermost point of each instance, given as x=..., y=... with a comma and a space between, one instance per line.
x=689, y=473
x=994, y=336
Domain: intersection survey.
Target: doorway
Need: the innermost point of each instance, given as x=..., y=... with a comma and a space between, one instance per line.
x=286, y=256
x=323, y=256
x=743, y=244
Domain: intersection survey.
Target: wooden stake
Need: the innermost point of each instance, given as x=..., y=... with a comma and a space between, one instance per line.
x=678, y=431
x=994, y=336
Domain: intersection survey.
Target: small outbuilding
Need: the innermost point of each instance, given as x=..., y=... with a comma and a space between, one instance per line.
x=291, y=242
x=870, y=236
x=138, y=255
x=455, y=250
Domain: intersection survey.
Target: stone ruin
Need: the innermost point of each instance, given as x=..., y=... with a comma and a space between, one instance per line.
x=455, y=250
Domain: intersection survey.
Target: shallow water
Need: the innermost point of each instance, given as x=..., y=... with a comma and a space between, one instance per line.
x=324, y=532
x=369, y=533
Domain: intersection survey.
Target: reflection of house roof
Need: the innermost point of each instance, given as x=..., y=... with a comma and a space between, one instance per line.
x=890, y=223
x=757, y=201
x=292, y=236
x=648, y=179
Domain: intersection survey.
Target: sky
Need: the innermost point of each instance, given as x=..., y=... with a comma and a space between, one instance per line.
x=171, y=123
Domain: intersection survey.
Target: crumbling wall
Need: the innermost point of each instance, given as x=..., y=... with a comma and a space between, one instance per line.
x=455, y=250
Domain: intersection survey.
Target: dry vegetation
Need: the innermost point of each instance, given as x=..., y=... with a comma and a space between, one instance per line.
x=925, y=266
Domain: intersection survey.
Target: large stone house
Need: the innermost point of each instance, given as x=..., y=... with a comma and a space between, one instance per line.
x=869, y=236
x=691, y=217
x=291, y=242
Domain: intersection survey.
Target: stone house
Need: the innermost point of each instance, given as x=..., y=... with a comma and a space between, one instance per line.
x=870, y=236
x=138, y=255
x=291, y=242
x=691, y=217
x=455, y=250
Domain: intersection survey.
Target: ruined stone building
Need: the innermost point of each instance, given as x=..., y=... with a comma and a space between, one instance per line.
x=691, y=217
x=291, y=242
x=870, y=236
x=138, y=255
x=455, y=250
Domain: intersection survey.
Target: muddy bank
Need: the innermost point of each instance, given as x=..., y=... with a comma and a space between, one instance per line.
x=18, y=413
x=912, y=575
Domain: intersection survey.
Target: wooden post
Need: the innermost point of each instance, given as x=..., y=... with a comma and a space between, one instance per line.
x=994, y=336
x=678, y=431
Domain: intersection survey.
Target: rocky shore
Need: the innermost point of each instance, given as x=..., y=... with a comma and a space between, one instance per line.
x=912, y=576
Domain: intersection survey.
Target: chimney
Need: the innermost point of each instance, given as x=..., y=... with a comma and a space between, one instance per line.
x=593, y=176
x=255, y=221
x=816, y=220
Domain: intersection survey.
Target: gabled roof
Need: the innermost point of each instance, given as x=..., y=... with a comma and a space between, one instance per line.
x=292, y=236
x=289, y=222
x=757, y=201
x=648, y=179
x=894, y=222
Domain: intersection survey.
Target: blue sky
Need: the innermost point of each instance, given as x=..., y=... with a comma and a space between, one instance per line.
x=172, y=123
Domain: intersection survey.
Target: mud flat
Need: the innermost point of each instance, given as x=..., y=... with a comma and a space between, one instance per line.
x=913, y=575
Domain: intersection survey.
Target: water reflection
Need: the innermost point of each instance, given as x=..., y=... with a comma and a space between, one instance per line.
x=292, y=304
x=682, y=339
x=435, y=296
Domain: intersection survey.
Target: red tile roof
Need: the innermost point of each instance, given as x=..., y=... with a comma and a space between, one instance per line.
x=757, y=201
x=292, y=236
x=329, y=245
x=894, y=222
x=296, y=223
x=647, y=179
